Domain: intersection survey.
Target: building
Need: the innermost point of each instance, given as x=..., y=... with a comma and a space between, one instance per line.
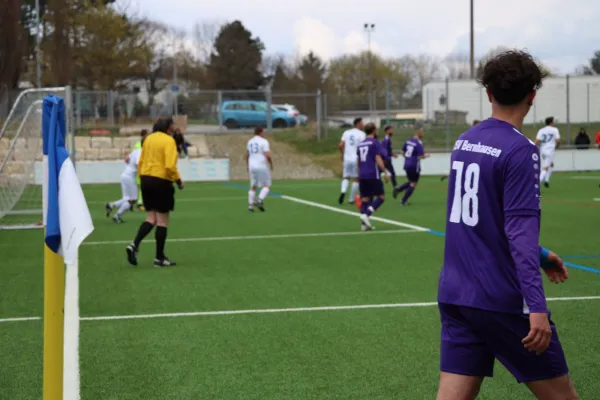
x=466, y=96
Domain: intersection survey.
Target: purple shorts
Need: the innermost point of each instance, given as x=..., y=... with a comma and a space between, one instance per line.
x=413, y=174
x=473, y=338
x=370, y=187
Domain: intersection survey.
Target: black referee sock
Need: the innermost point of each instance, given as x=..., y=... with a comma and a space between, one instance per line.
x=161, y=239
x=144, y=230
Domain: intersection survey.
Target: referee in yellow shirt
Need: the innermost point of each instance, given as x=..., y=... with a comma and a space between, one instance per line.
x=158, y=171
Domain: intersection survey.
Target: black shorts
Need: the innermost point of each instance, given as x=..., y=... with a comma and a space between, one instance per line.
x=158, y=194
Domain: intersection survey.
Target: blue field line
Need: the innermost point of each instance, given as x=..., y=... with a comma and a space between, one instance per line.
x=442, y=234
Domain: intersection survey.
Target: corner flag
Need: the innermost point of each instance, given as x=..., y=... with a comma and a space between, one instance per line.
x=68, y=222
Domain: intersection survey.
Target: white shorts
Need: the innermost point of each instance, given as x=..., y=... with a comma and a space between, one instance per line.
x=129, y=188
x=260, y=177
x=350, y=169
x=547, y=160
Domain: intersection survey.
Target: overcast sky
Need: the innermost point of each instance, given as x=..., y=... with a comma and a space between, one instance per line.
x=563, y=34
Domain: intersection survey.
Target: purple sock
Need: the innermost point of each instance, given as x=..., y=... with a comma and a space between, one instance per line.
x=408, y=193
x=404, y=186
x=376, y=204
x=364, y=205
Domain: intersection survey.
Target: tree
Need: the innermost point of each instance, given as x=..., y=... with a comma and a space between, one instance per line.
x=235, y=63
x=595, y=63
x=457, y=66
x=312, y=72
x=11, y=44
x=349, y=79
x=204, y=35
x=420, y=70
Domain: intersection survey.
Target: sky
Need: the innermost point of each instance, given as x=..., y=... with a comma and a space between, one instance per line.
x=556, y=32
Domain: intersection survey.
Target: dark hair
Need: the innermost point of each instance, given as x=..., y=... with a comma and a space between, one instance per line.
x=387, y=128
x=163, y=124
x=370, y=128
x=258, y=130
x=476, y=122
x=549, y=120
x=511, y=76
x=357, y=121
x=144, y=132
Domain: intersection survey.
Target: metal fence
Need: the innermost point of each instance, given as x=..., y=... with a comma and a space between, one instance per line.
x=574, y=102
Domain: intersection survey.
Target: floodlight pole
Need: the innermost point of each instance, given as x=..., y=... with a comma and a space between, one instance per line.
x=38, y=68
x=472, y=55
x=369, y=29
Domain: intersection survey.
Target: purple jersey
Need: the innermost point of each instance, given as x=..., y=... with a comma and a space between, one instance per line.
x=386, y=144
x=493, y=182
x=367, y=152
x=413, y=150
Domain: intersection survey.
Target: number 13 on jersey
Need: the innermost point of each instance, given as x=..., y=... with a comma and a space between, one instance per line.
x=465, y=208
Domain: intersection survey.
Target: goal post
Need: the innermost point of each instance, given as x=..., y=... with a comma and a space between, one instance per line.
x=21, y=167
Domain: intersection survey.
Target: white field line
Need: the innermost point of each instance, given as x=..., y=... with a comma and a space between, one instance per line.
x=591, y=178
x=597, y=199
x=258, y=237
x=192, y=200
x=71, y=374
x=278, y=310
x=354, y=214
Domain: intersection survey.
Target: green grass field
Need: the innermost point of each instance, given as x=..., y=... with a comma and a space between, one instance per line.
x=294, y=255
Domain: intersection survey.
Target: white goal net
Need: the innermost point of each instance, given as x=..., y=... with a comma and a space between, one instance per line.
x=21, y=159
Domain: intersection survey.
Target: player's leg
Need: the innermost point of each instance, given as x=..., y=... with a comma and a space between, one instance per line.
x=402, y=188
x=545, y=166
x=150, y=193
x=549, y=172
x=140, y=201
x=378, y=192
x=413, y=177
x=389, y=165
x=354, y=189
x=265, y=182
x=165, y=205
x=129, y=190
x=546, y=374
x=252, y=191
x=346, y=172
x=465, y=359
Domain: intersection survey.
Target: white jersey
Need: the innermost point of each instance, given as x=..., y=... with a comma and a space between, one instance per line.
x=257, y=147
x=548, y=137
x=131, y=169
x=351, y=138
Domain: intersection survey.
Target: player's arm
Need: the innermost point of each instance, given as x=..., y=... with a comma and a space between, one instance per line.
x=246, y=158
x=267, y=153
x=557, y=138
x=522, y=228
x=380, y=163
x=171, y=157
x=553, y=266
x=403, y=151
x=538, y=138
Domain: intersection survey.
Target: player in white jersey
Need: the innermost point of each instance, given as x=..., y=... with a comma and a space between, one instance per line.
x=129, y=189
x=348, y=148
x=548, y=139
x=259, y=161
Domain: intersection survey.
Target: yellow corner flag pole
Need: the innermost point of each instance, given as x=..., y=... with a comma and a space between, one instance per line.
x=54, y=295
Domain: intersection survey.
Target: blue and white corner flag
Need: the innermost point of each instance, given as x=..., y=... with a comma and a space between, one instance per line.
x=66, y=215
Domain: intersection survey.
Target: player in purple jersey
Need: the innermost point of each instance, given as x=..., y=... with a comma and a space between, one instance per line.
x=386, y=143
x=413, y=152
x=490, y=295
x=370, y=165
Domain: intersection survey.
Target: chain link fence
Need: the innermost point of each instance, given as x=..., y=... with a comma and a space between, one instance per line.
x=450, y=107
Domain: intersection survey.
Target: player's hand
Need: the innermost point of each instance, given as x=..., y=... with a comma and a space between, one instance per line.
x=395, y=155
x=555, y=269
x=540, y=333
x=180, y=184
x=386, y=177
x=426, y=155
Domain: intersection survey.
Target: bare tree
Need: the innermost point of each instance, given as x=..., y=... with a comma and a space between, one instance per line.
x=204, y=34
x=457, y=66
x=420, y=70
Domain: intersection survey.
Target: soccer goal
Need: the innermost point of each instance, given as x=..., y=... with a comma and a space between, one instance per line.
x=21, y=158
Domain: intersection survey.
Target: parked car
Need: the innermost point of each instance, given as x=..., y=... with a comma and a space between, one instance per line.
x=249, y=113
x=293, y=111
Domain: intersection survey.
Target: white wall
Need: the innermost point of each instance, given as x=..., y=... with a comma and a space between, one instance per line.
x=564, y=160
x=110, y=171
x=551, y=100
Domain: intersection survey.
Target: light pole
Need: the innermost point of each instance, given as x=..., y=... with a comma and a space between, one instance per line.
x=369, y=29
x=38, y=68
x=472, y=55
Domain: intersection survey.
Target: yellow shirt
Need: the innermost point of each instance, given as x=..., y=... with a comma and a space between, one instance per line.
x=159, y=157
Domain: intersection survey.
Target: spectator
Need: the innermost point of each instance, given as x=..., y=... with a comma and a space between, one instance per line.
x=182, y=144
x=582, y=141
x=598, y=139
